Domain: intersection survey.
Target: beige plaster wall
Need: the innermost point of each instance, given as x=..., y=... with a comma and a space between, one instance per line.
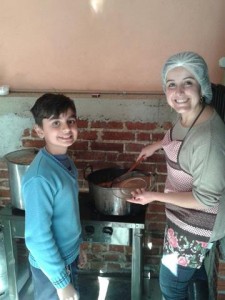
x=104, y=45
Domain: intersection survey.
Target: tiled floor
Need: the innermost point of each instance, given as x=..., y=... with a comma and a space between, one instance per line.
x=102, y=288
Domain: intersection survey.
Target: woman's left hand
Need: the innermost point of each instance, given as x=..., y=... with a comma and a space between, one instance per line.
x=141, y=196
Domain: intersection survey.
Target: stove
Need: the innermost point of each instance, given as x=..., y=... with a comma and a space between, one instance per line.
x=110, y=229
x=117, y=230
x=96, y=228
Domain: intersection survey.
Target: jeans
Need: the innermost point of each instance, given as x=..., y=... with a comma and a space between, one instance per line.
x=43, y=288
x=176, y=287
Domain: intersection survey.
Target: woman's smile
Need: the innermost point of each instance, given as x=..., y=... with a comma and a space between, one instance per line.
x=182, y=91
x=181, y=101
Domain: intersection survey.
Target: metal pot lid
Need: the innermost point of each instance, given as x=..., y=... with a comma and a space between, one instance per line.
x=22, y=157
x=128, y=185
x=132, y=183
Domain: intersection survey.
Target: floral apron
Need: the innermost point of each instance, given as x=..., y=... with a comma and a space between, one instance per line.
x=187, y=231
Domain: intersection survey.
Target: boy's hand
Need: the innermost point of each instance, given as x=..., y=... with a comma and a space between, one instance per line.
x=68, y=293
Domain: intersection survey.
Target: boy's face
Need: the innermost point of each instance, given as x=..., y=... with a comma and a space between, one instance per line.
x=59, y=133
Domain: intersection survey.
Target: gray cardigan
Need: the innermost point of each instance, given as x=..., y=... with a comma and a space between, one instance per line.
x=202, y=155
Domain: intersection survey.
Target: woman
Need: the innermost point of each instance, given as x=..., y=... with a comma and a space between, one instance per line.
x=194, y=193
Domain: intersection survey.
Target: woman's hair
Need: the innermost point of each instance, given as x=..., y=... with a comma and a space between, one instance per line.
x=51, y=105
x=196, y=65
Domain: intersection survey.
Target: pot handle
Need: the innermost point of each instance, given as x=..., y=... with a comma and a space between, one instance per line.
x=88, y=169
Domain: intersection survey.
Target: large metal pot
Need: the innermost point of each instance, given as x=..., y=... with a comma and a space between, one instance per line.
x=111, y=200
x=18, y=162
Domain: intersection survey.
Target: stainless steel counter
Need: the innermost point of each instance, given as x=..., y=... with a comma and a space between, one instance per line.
x=13, y=229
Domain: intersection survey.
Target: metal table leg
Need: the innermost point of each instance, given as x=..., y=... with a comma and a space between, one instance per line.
x=11, y=255
x=136, y=275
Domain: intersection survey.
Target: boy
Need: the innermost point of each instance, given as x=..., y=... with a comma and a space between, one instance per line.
x=50, y=194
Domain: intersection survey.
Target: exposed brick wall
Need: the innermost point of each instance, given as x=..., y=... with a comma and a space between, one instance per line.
x=107, y=144
x=108, y=258
x=4, y=184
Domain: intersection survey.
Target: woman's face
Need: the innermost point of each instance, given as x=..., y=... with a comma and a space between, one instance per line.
x=183, y=92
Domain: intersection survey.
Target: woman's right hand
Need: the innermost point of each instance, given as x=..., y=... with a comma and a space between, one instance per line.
x=68, y=293
x=150, y=150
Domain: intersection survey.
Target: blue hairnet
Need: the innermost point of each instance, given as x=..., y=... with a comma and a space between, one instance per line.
x=196, y=65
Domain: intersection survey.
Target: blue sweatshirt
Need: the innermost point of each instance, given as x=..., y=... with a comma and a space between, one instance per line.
x=52, y=218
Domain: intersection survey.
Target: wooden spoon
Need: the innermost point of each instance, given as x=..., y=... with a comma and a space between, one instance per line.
x=135, y=164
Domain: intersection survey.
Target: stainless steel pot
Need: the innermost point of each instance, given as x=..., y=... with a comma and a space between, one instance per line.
x=18, y=162
x=112, y=200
